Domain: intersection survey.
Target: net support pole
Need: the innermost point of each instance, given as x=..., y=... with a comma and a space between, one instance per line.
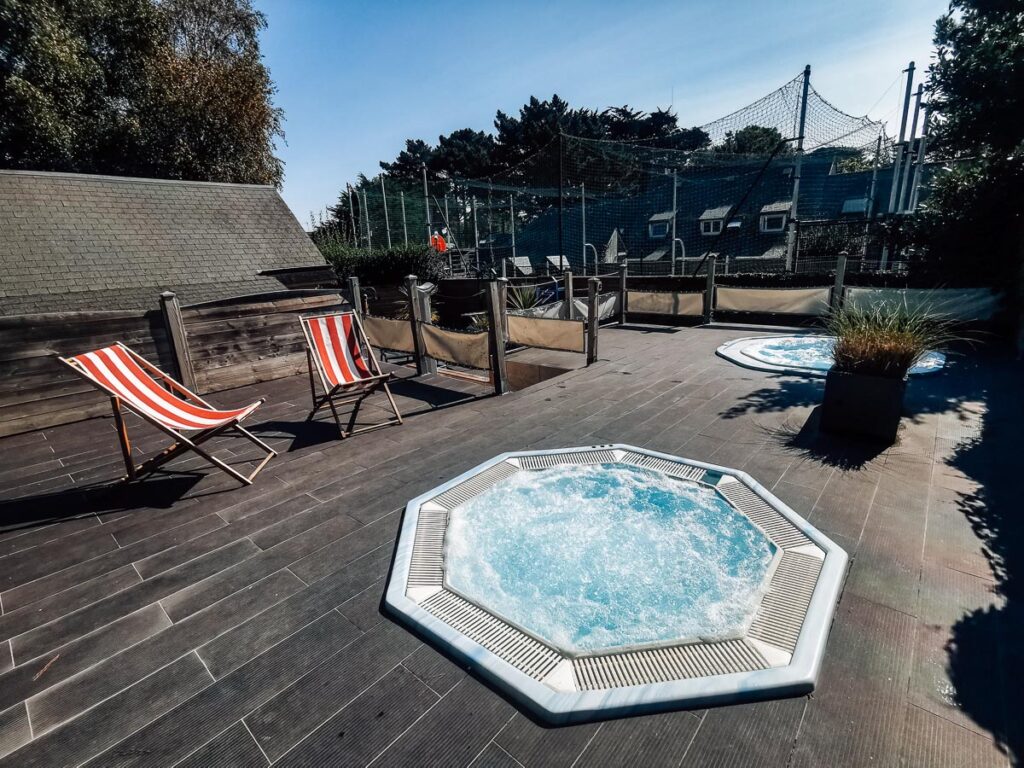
x=405, y=224
x=836, y=299
x=898, y=161
x=922, y=145
x=490, y=224
x=496, y=335
x=512, y=229
x=709, y=290
x=561, y=204
x=387, y=221
x=869, y=208
x=352, y=217
x=623, y=294
x=369, y=232
x=794, y=208
x=583, y=224
x=593, y=292
x=426, y=202
x=476, y=234
x=672, y=268
x=907, y=166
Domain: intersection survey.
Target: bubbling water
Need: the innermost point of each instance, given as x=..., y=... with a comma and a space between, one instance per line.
x=815, y=353
x=606, y=556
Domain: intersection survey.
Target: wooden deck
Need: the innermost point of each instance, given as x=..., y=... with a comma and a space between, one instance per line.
x=185, y=621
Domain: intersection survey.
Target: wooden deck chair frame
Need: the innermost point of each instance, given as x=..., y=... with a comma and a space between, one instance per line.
x=354, y=393
x=182, y=442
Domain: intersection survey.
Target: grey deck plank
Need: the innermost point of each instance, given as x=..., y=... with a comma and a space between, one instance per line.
x=366, y=726
x=15, y=730
x=282, y=722
x=746, y=735
x=661, y=739
x=115, y=718
x=234, y=748
x=173, y=736
x=104, y=679
x=453, y=732
x=533, y=744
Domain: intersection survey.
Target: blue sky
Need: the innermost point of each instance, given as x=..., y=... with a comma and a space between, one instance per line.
x=355, y=79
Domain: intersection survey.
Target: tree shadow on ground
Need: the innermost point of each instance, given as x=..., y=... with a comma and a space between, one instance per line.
x=992, y=460
x=160, y=491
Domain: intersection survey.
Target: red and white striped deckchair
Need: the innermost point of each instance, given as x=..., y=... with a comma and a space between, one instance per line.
x=339, y=350
x=134, y=383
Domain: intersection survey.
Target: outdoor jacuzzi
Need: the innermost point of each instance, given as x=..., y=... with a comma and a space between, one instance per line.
x=611, y=580
x=807, y=354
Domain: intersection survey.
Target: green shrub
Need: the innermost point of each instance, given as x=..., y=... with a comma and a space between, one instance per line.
x=381, y=266
x=886, y=340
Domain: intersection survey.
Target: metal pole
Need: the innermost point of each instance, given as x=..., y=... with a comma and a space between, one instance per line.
x=793, y=211
x=512, y=225
x=583, y=215
x=369, y=232
x=709, y=290
x=352, y=216
x=567, y=281
x=384, y=197
x=476, y=233
x=837, y=287
x=561, y=206
x=357, y=296
x=490, y=224
x=623, y=276
x=593, y=292
x=496, y=335
x=405, y=225
x=674, y=238
x=903, y=132
x=426, y=201
x=922, y=145
x=905, y=183
x=869, y=211
x=417, y=332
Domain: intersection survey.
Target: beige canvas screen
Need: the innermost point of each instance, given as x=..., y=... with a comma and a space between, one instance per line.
x=956, y=303
x=796, y=301
x=385, y=333
x=674, y=303
x=469, y=349
x=546, y=334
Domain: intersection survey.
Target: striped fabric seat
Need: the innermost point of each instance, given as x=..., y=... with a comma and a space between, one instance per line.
x=337, y=348
x=114, y=369
x=340, y=354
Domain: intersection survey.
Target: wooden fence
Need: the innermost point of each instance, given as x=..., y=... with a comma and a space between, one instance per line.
x=36, y=391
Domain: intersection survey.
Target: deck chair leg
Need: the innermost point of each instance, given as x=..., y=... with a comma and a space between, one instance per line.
x=122, y=438
x=391, y=399
x=229, y=469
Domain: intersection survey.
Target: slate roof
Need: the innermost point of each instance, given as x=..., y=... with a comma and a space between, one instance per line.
x=80, y=242
x=718, y=212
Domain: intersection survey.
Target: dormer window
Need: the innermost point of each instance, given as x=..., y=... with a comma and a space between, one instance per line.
x=711, y=226
x=659, y=225
x=713, y=219
x=774, y=217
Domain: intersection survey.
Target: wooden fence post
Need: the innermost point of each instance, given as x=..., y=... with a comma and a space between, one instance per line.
x=414, y=318
x=709, y=290
x=496, y=335
x=357, y=297
x=177, y=338
x=569, y=310
x=593, y=292
x=837, y=288
x=425, y=314
x=623, y=292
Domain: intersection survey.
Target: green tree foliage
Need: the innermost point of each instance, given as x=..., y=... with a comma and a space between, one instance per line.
x=164, y=88
x=752, y=140
x=973, y=220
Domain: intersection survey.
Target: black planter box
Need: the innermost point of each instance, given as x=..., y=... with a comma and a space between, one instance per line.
x=864, y=406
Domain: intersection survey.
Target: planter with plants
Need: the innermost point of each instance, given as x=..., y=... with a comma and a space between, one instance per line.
x=874, y=351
